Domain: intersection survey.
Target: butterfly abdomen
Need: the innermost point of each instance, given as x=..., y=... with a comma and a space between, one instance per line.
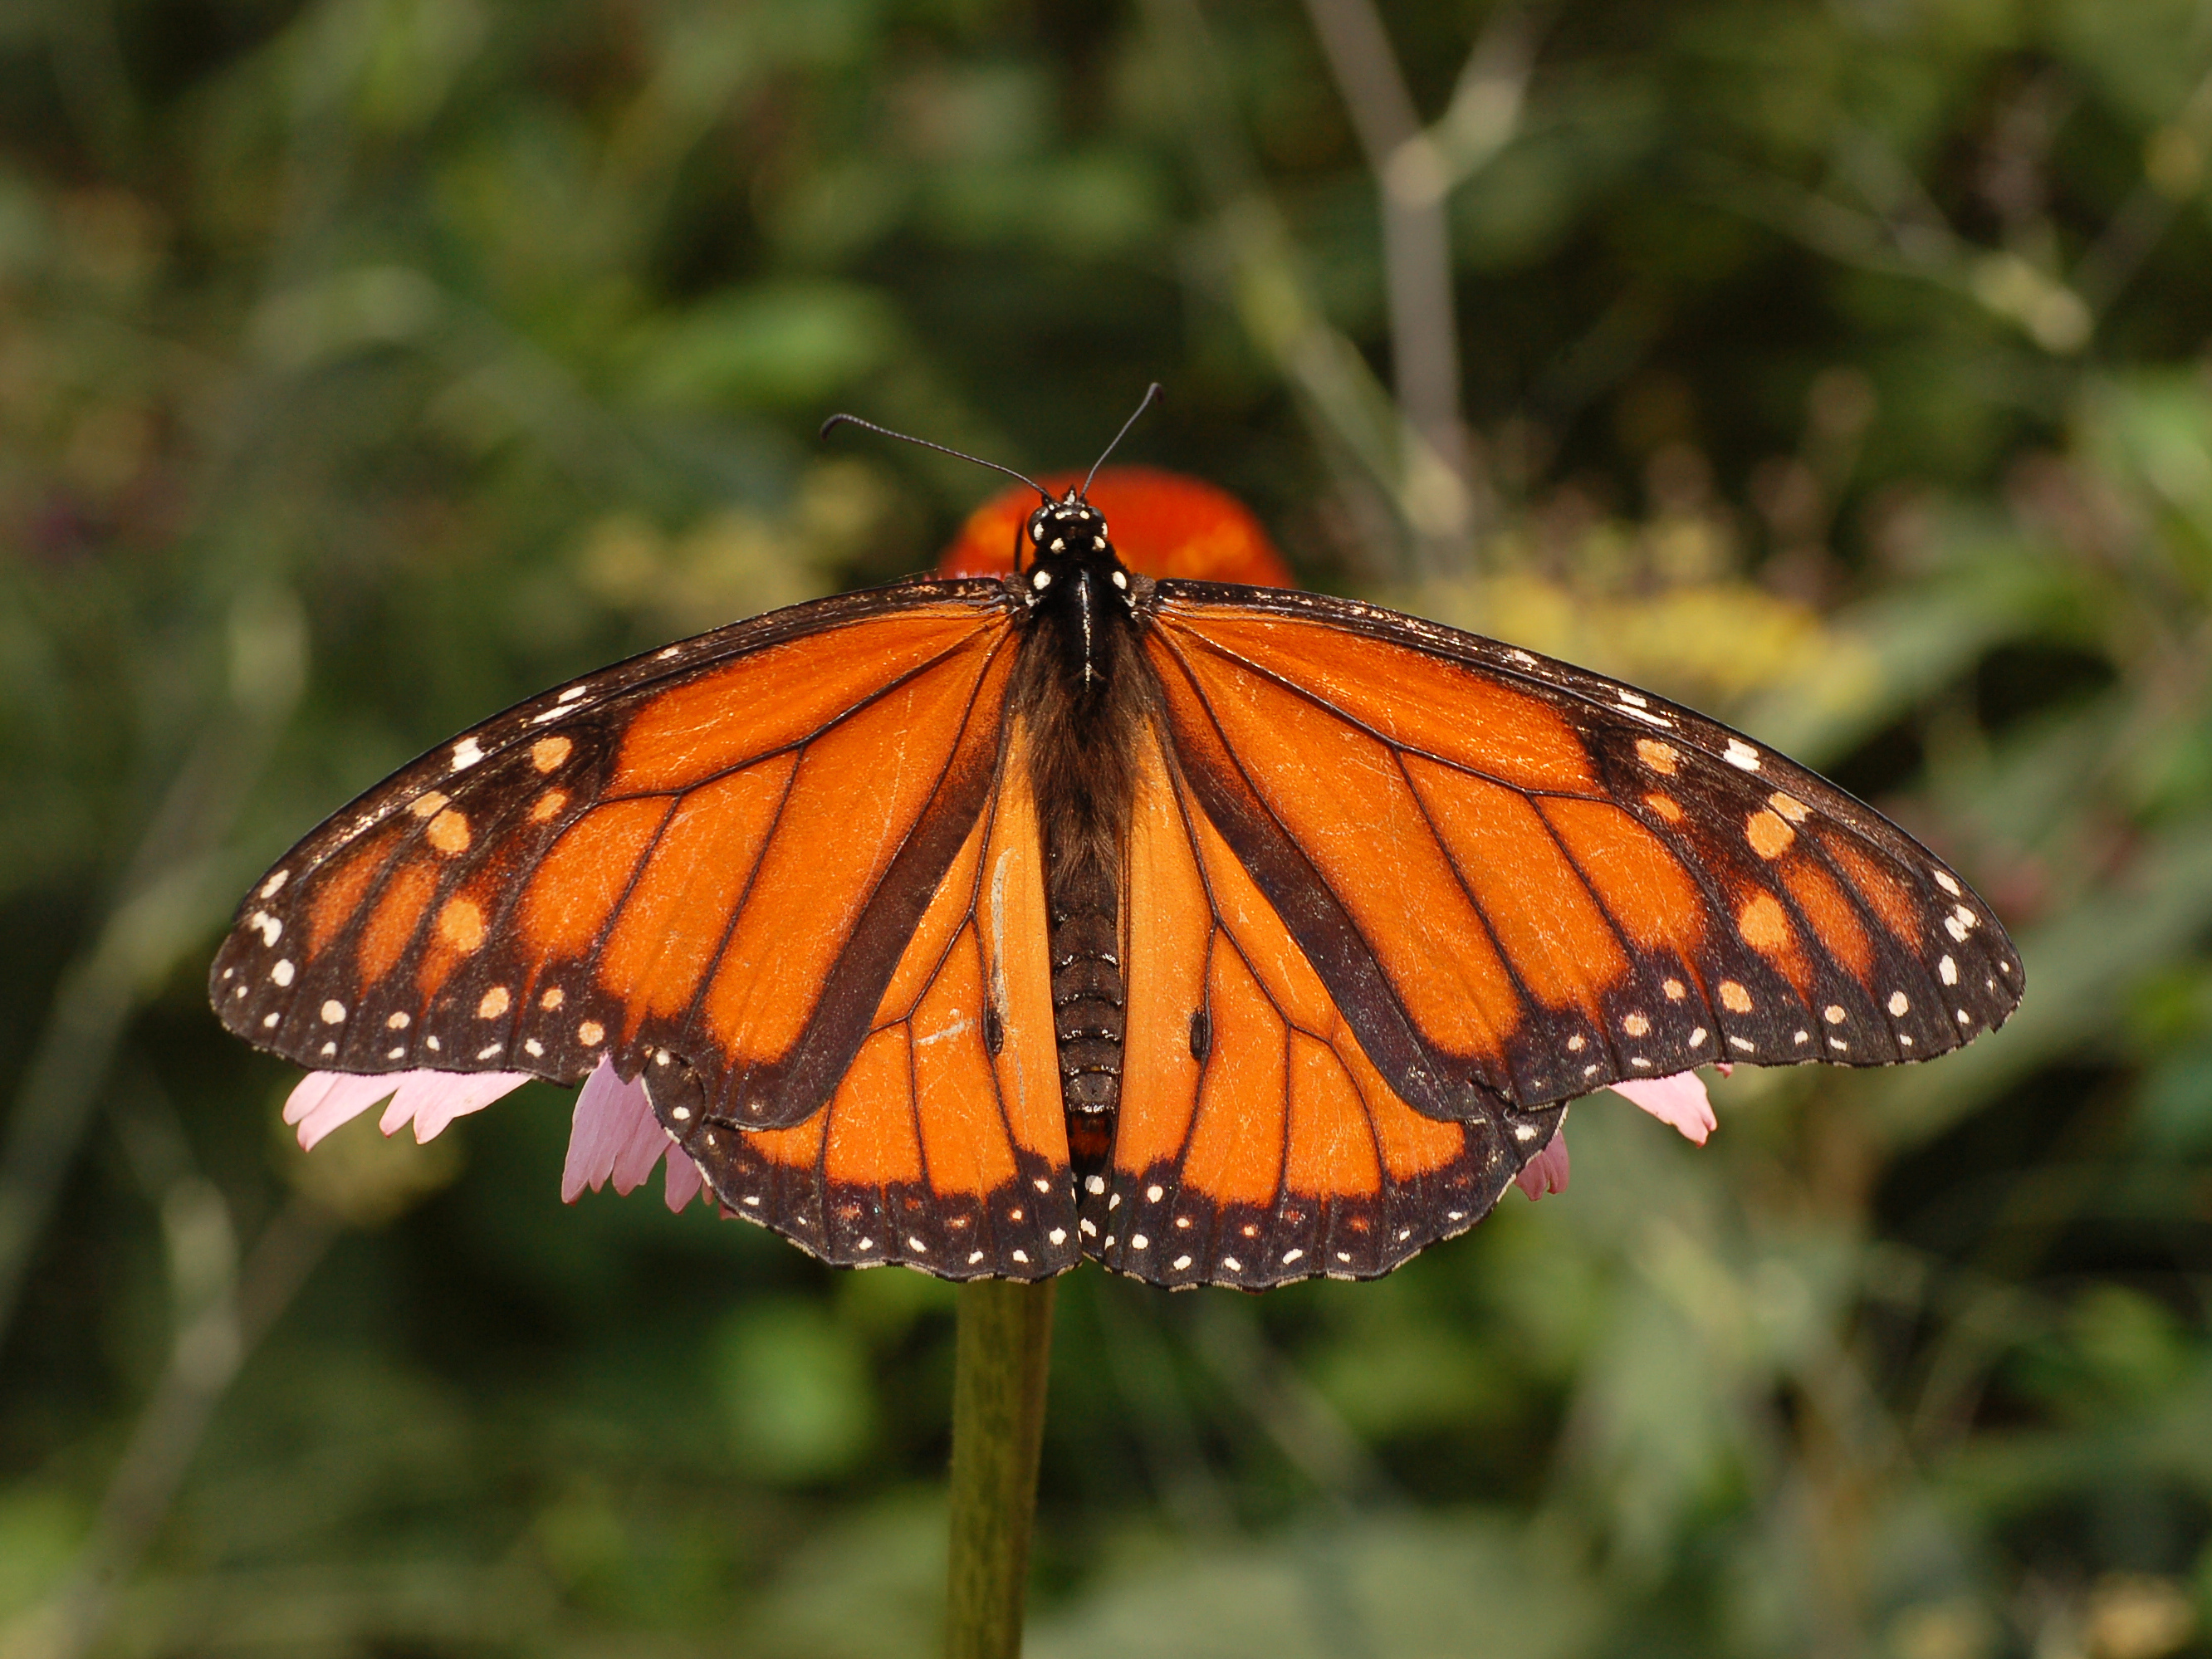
x=1084, y=905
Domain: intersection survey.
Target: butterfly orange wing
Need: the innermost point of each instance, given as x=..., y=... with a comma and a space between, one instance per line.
x=945, y=1146
x=718, y=851
x=1520, y=881
x=1256, y=1142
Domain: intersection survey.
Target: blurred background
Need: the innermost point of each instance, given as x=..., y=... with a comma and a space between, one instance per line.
x=1839, y=366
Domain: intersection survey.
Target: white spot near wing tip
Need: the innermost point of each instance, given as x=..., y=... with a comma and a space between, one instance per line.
x=1740, y=754
x=1898, y=1003
x=975, y=1257
x=1631, y=699
x=281, y=973
x=276, y=879
x=1180, y=1263
x=1947, y=971
x=1951, y=927
x=269, y=1022
x=1943, y=880
x=663, y=656
x=333, y=1012
x=571, y=694
x=1057, y=1235
x=1139, y=1242
x=1744, y=1043
x=1698, y=1037
x=466, y=754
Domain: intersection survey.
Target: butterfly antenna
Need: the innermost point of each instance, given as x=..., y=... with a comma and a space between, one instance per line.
x=1152, y=396
x=958, y=454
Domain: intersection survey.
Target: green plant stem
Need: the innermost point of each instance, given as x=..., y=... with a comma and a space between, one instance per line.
x=1005, y=1352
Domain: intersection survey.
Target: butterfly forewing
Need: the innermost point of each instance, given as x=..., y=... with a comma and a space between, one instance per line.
x=944, y=1145
x=1523, y=878
x=699, y=851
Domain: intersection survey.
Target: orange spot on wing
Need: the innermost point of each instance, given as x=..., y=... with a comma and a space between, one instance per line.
x=547, y=753
x=391, y=924
x=872, y=1141
x=548, y=806
x=1888, y=897
x=1835, y=923
x=449, y=833
x=1666, y=806
x=678, y=913
x=341, y=891
x=1659, y=757
x=1643, y=885
x=1544, y=919
x=1764, y=925
x=785, y=695
x=1410, y=698
x=1770, y=838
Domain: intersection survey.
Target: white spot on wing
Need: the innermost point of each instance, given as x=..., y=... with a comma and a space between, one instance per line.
x=1943, y=880
x=466, y=754
x=1740, y=754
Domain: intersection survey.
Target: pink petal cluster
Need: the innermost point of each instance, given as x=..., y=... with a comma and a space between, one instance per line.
x=614, y=1133
x=616, y=1136
x=1678, y=1101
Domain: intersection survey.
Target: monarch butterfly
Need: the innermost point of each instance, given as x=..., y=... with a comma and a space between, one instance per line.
x=1222, y=933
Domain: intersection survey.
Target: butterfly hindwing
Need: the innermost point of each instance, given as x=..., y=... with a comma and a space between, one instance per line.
x=700, y=851
x=1528, y=879
x=945, y=1146
x=1256, y=1142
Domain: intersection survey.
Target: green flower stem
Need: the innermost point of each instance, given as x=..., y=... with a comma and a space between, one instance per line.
x=998, y=1424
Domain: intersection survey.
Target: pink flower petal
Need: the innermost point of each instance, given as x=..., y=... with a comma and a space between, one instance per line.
x=431, y=1100
x=323, y=1100
x=1547, y=1172
x=1679, y=1100
x=614, y=1134
x=684, y=1183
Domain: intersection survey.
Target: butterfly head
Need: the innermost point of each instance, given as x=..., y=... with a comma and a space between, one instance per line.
x=1070, y=552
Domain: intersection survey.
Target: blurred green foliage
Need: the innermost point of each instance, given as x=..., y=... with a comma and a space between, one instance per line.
x=1839, y=366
